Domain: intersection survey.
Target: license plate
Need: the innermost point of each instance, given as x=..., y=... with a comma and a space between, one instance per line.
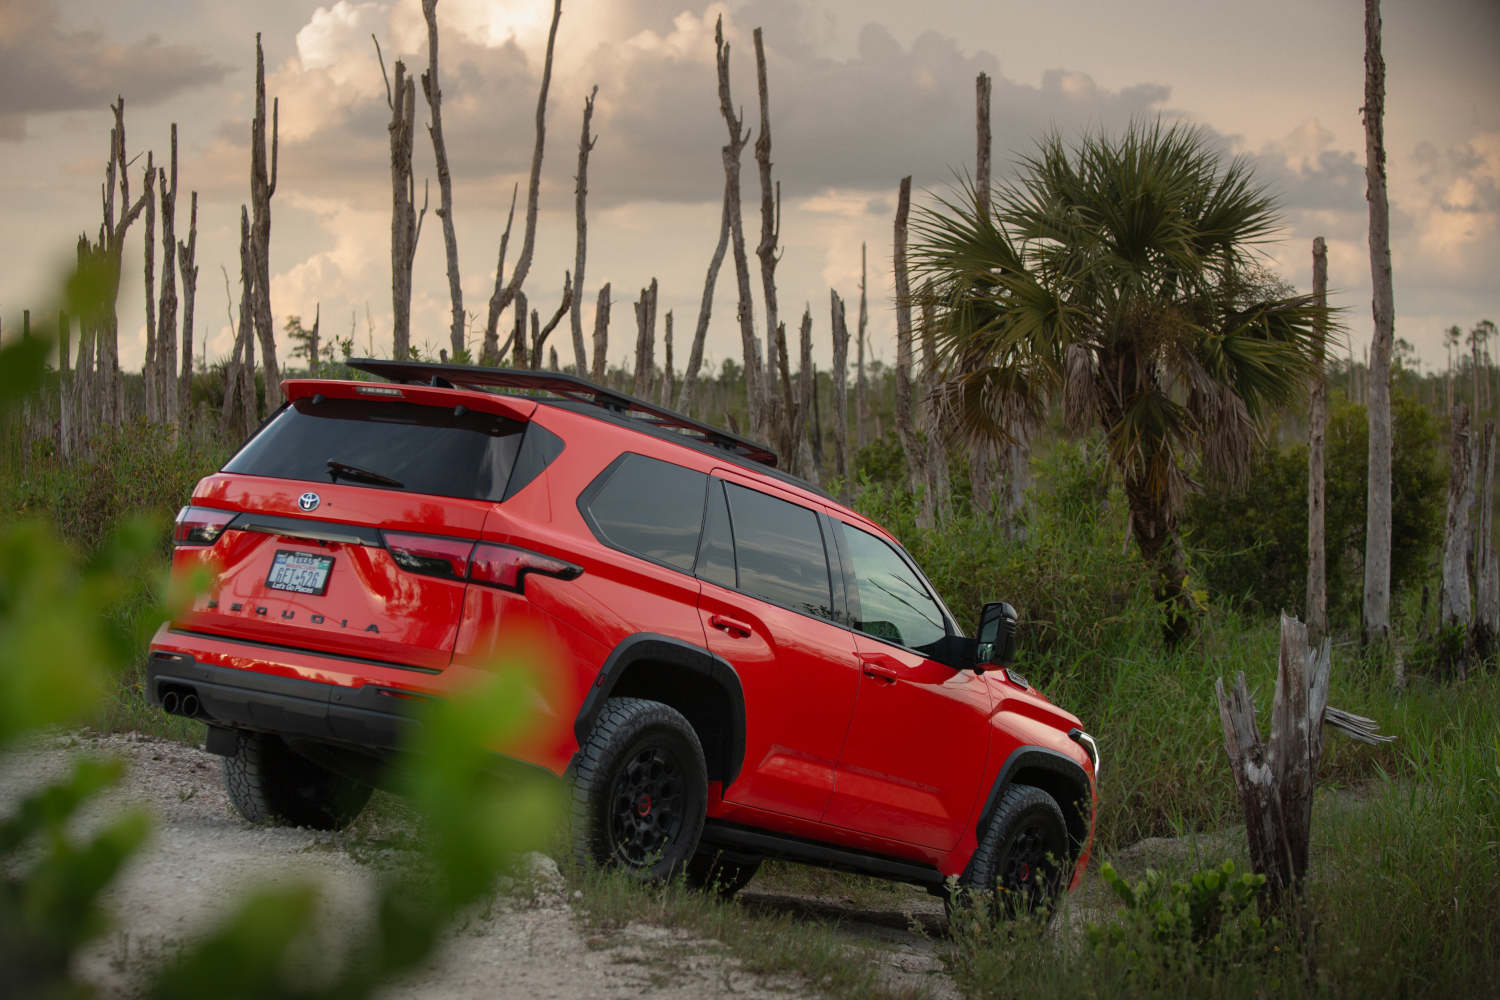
x=299, y=572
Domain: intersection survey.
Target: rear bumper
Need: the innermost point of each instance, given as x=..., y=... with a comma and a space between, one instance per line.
x=367, y=716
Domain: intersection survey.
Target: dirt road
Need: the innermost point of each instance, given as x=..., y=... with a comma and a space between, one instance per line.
x=527, y=943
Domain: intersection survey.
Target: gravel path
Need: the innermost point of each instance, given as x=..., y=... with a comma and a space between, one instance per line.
x=527, y=942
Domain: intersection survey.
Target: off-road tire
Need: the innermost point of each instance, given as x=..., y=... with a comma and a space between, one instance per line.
x=713, y=871
x=1021, y=863
x=268, y=782
x=640, y=789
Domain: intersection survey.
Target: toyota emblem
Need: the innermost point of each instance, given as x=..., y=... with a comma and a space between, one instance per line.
x=308, y=501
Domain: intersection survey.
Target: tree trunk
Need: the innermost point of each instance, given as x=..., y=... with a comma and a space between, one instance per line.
x=1377, y=596
x=807, y=386
x=935, y=502
x=546, y=331
x=905, y=423
x=580, y=200
x=861, y=388
x=249, y=397
x=1487, y=575
x=705, y=309
x=1276, y=779
x=434, y=94
x=148, y=369
x=166, y=339
x=840, y=391
x=645, y=341
x=1154, y=527
x=982, y=471
x=601, y=335
x=187, y=260
x=111, y=409
x=664, y=397
x=755, y=380
x=776, y=415
x=1317, y=422
x=402, y=101
x=1454, y=610
x=517, y=340
x=262, y=188
x=505, y=294
x=490, y=354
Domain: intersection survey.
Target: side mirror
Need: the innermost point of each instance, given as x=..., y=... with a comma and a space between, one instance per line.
x=997, y=636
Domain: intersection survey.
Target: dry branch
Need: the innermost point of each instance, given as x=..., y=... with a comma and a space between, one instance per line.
x=562, y=309
x=705, y=308
x=580, y=202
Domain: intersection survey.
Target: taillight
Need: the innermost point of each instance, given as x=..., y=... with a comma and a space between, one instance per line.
x=200, y=525
x=506, y=566
x=430, y=555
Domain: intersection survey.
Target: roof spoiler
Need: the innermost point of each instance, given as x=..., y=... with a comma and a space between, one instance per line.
x=566, y=386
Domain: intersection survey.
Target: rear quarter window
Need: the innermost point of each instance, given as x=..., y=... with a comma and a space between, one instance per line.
x=442, y=451
x=647, y=507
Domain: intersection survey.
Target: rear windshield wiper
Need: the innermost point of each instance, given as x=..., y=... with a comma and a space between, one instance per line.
x=353, y=473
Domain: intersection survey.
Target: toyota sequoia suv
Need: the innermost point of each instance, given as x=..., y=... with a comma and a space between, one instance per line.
x=744, y=667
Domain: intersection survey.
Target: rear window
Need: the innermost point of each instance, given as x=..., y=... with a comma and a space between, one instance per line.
x=648, y=507
x=452, y=452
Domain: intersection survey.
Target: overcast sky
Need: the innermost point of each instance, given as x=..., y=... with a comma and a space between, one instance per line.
x=862, y=93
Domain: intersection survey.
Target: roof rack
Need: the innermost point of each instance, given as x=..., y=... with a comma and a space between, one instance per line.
x=568, y=387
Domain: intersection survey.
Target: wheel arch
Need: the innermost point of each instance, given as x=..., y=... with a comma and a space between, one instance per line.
x=1054, y=773
x=689, y=678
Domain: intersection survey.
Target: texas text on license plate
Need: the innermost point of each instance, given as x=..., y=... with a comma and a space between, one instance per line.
x=299, y=572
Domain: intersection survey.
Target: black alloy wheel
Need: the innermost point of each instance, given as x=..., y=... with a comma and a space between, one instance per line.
x=647, y=797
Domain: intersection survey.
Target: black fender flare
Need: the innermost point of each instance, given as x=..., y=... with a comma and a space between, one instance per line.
x=664, y=649
x=1042, y=758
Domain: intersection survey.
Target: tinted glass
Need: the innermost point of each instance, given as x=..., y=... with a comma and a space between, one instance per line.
x=893, y=604
x=651, y=508
x=778, y=551
x=422, y=449
x=716, y=553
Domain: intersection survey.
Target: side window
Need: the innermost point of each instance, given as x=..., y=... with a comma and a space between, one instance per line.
x=893, y=604
x=778, y=549
x=647, y=507
x=716, y=552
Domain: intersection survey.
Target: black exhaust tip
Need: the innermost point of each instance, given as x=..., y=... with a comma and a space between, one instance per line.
x=169, y=701
x=190, y=705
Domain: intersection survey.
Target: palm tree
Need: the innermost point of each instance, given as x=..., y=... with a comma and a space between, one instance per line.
x=1123, y=276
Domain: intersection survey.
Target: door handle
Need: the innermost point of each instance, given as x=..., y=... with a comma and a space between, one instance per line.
x=878, y=671
x=736, y=629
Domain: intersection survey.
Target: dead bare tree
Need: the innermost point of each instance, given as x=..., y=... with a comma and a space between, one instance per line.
x=187, y=260
x=939, y=484
x=262, y=189
x=645, y=340
x=861, y=387
x=434, y=94
x=668, y=378
x=406, y=224
x=905, y=424
x=1454, y=593
x=840, y=389
x=165, y=375
x=705, y=308
x=776, y=415
x=518, y=334
x=809, y=452
x=586, y=145
x=1377, y=596
x=1487, y=571
x=241, y=374
x=148, y=191
x=546, y=331
x=601, y=334
x=1317, y=423
x=490, y=354
x=505, y=292
x=112, y=245
x=754, y=372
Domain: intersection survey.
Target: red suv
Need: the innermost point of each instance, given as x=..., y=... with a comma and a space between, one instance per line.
x=742, y=667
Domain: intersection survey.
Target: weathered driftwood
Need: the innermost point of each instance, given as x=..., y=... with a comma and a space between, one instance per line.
x=1317, y=424
x=586, y=145
x=1377, y=595
x=754, y=371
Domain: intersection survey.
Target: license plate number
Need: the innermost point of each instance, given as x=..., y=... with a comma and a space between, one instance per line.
x=299, y=572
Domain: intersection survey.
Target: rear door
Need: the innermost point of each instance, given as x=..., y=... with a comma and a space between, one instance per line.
x=352, y=519
x=768, y=608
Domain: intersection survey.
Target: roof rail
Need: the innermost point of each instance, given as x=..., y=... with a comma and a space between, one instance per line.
x=568, y=387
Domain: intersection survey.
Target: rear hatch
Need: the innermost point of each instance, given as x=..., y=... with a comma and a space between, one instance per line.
x=347, y=524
